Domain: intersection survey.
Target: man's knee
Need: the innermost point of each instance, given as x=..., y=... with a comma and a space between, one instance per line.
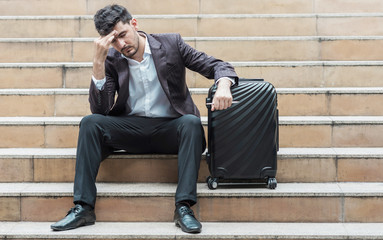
x=91, y=120
x=191, y=128
x=191, y=122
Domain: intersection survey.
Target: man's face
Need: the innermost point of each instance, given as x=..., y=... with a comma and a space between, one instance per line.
x=126, y=39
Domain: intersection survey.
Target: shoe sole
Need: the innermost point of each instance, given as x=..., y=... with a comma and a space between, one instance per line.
x=65, y=229
x=186, y=230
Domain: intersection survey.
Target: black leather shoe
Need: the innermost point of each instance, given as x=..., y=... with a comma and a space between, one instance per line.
x=76, y=217
x=184, y=218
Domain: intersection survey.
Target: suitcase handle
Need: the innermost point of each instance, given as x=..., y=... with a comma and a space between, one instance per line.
x=251, y=80
x=210, y=103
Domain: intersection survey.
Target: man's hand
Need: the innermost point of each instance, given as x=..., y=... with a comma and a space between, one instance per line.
x=101, y=47
x=222, y=98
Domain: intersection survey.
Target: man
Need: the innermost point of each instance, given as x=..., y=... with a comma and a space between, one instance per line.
x=152, y=113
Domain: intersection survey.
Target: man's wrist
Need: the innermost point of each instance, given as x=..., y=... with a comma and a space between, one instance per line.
x=225, y=80
x=99, y=83
x=98, y=79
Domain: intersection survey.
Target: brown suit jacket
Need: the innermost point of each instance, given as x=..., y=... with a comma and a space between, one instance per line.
x=171, y=55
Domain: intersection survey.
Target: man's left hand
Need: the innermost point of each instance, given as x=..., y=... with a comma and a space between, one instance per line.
x=222, y=98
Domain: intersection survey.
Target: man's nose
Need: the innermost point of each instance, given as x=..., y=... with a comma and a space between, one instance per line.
x=120, y=43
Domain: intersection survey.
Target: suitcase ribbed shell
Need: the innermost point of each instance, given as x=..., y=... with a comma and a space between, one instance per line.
x=243, y=139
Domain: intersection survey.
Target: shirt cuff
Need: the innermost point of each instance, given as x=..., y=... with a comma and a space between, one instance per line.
x=231, y=79
x=99, y=83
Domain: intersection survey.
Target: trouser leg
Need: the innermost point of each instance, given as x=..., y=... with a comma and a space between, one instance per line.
x=191, y=145
x=91, y=150
x=99, y=135
x=185, y=133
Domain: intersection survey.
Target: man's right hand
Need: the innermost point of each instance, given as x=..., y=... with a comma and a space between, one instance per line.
x=101, y=47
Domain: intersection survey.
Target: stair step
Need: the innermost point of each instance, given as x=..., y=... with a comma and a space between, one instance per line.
x=323, y=192
x=210, y=230
x=81, y=7
x=295, y=6
x=203, y=25
x=311, y=48
x=305, y=131
x=294, y=165
x=281, y=74
x=317, y=101
x=289, y=202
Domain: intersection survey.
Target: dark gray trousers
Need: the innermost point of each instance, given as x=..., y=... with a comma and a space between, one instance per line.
x=100, y=135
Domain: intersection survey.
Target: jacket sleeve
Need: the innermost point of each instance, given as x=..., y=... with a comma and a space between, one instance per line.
x=204, y=64
x=102, y=101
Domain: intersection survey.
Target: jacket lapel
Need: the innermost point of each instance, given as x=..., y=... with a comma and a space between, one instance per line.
x=122, y=68
x=159, y=58
x=123, y=72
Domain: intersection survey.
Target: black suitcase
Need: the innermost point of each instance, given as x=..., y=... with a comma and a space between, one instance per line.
x=243, y=140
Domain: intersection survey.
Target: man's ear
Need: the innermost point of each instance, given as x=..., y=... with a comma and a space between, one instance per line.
x=134, y=23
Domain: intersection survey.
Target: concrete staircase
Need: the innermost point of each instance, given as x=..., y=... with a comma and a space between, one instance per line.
x=323, y=56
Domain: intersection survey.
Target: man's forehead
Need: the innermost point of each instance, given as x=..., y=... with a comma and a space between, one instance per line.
x=120, y=26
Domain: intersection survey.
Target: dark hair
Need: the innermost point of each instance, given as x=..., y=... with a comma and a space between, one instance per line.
x=106, y=18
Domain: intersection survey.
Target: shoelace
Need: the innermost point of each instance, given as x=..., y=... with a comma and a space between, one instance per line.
x=75, y=209
x=185, y=210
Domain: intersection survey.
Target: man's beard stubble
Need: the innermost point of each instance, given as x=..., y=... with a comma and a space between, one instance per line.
x=135, y=49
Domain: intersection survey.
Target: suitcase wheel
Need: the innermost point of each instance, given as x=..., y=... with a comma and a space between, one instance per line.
x=272, y=183
x=212, y=183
